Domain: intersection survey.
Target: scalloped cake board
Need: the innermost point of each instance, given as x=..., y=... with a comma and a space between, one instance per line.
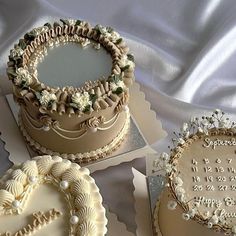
x=115, y=227
x=10, y=134
x=149, y=127
x=143, y=217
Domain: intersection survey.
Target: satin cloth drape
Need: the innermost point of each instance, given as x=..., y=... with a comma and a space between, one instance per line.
x=185, y=53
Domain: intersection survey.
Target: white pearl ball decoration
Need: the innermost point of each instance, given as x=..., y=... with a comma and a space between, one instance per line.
x=16, y=204
x=74, y=220
x=32, y=179
x=125, y=108
x=94, y=129
x=64, y=185
x=46, y=128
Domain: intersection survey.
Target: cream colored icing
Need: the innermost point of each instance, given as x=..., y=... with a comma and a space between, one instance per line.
x=79, y=123
x=80, y=157
x=200, y=195
x=48, y=190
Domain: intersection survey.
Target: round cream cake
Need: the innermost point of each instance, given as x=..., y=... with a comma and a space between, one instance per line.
x=72, y=81
x=200, y=195
x=50, y=196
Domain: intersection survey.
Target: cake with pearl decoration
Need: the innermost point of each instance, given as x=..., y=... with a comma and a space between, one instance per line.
x=50, y=196
x=72, y=81
x=199, y=193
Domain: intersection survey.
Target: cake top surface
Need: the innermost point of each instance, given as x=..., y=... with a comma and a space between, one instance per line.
x=201, y=171
x=70, y=63
x=49, y=195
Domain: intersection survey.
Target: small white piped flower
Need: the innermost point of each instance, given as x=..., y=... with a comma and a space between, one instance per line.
x=40, y=30
x=223, y=123
x=181, y=141
x=81, y=100
x=47, y=97
x=16, y=52
x=172, y=205
x=233, y=229
x=200, y=130
x=114, y=86
x=23, y=77
x=192, y=212
x=165, y=157
x=71, y=22
x=217, y=111
x=186, y=216
x=74, y=220
x=168, y=168
x=214, y=219
x=184, y=127
x=178, y=181
x=124, y=61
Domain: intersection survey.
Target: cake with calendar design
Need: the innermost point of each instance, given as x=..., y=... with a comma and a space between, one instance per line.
x=199, y=196
x=50, y=196
x=72, y=81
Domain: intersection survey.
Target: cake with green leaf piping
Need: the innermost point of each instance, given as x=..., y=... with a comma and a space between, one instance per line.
x=71, y=81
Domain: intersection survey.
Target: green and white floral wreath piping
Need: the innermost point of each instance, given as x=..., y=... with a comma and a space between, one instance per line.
x=87, y=215
x=166, y=162
x=78, y=99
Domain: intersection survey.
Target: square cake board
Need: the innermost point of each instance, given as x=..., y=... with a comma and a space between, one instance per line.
x=144, y=131
x=147, y=192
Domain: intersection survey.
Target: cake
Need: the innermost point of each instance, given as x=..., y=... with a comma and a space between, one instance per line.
x=199, y=196
x=72, y=81
x=50, y=196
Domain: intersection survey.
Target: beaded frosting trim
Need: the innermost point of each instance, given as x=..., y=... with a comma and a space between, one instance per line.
x=81, y=157
x=96, y=95
x=197, y=128
x=87, y=215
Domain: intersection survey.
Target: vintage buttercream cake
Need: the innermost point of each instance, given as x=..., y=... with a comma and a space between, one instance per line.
x=50, y=196
x=199, y=197
x=72, y=81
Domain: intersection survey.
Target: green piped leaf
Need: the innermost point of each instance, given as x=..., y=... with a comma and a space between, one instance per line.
x=109, y=29
x=65, y=22
x=48, y=25
x=55, y=24
x=11, y=72
x=115, y=78
x=93, y=97
x=119, y=90
x=30, y=36
x=118, y=41
x=125, y=68
x=78, y=22
x=22, y=44
x=87, y=108
x=99, y=29
x=130, y=57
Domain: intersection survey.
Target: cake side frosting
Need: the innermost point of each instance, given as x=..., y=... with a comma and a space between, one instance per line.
x=84, y=212
x=201, y=174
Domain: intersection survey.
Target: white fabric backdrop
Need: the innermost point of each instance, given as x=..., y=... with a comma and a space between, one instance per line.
x=185, y=52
